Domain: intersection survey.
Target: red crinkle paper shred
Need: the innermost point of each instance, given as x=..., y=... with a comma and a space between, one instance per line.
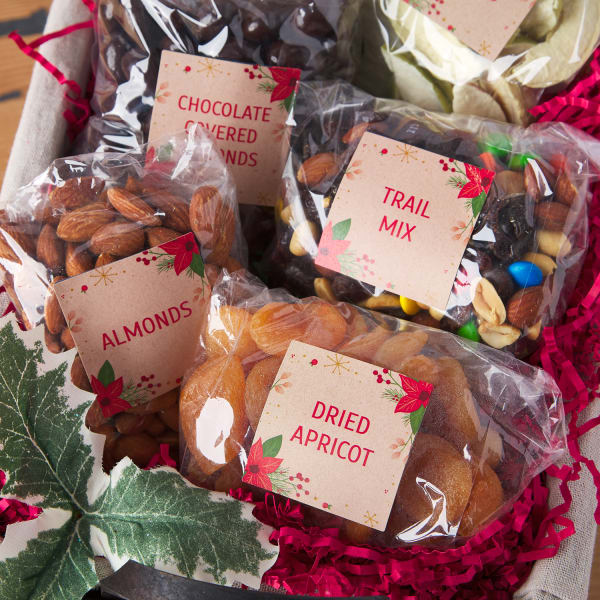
x=495, y=562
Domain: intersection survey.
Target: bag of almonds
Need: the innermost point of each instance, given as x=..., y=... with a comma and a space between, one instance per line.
x=86, y=212
x=395, y=432
x=524, y=193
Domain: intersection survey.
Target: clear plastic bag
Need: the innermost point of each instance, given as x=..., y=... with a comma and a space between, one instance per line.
x=419, y=61
x=535, y=213
x=492, y=422
x=313, y=35
x=87, y=211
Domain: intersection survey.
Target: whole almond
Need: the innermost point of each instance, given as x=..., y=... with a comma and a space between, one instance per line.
x=140, y=447
x=170, y=416
x=173, y=209
x=13, y=241
x=127, y=423
x=539, y=180
x=44, y=213
x=51, y=249
x=52, y=342
x=316, y=168
x=355, y=133
x=154, y=426
x=565, y=191
x=79, y=376
x=76, y=192
x=134, y=185
x=157, y=403
x=104, y=259
x=551, y=215
x=524, y=307
x=132, y=207
x=81, y=224
x=119, y=239
x=160, y=235
x=77, y=259
x=55, y=321
x=213, y=221
x=168, y=437
x=94, y=418
x=66, y=338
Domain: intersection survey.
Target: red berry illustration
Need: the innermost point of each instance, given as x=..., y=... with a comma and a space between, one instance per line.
x=299, y=486
x=314, y=362
x=188, y=69
x=84, y=288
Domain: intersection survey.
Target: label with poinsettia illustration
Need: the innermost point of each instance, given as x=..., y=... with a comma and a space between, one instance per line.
x=245, y=107
x=136, y=321
x=401, y=219
x=335, y=433
x=484, y=25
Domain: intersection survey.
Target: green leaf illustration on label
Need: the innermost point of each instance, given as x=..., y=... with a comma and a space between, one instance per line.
x=416, y=418
x=106, y=374
x=51, y=460
x=272, y=446
x=341, y=229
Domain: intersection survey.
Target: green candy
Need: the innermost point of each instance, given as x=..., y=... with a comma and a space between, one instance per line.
x=469, y=331
x=497, y=144
x=518, y=162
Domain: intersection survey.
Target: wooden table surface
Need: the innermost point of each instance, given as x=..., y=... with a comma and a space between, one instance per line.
x=28, y=17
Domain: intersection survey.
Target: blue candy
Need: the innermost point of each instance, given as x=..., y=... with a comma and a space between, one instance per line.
x=526, y=274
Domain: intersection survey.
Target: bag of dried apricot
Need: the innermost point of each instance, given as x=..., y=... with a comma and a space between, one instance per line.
x=466, y=224
x=394, y=432
x=111, y=253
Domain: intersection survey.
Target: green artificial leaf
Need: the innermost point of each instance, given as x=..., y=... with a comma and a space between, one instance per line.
x=106, y=374
x=272, y=446
x=415, y=419
x=477, y=204
x=52, y=461
x=340, y=230
x=197, y=265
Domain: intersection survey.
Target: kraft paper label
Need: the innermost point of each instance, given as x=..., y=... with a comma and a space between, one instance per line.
x=484, y=25
x=245, y=107
x=335, y=433
x=142, y=315
x=402, y=218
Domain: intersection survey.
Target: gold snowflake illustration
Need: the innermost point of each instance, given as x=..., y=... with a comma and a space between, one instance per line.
x=104, y=274
x=337, y=364
x=209, y=68
x=407, y=153
x=484, y=48
x=369, y=519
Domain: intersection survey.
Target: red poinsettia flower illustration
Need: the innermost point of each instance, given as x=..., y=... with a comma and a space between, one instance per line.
x=259, y=467
x=330, y=249
x=417, y=395
x=286, y=81
x=109, y=397
x=183, y=249
x=480, y=181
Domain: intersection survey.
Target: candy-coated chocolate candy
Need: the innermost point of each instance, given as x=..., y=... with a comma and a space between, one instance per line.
x=410, y=307
x=469, y=331
x=497, y=144
x=519, y=161
x=526, y=274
